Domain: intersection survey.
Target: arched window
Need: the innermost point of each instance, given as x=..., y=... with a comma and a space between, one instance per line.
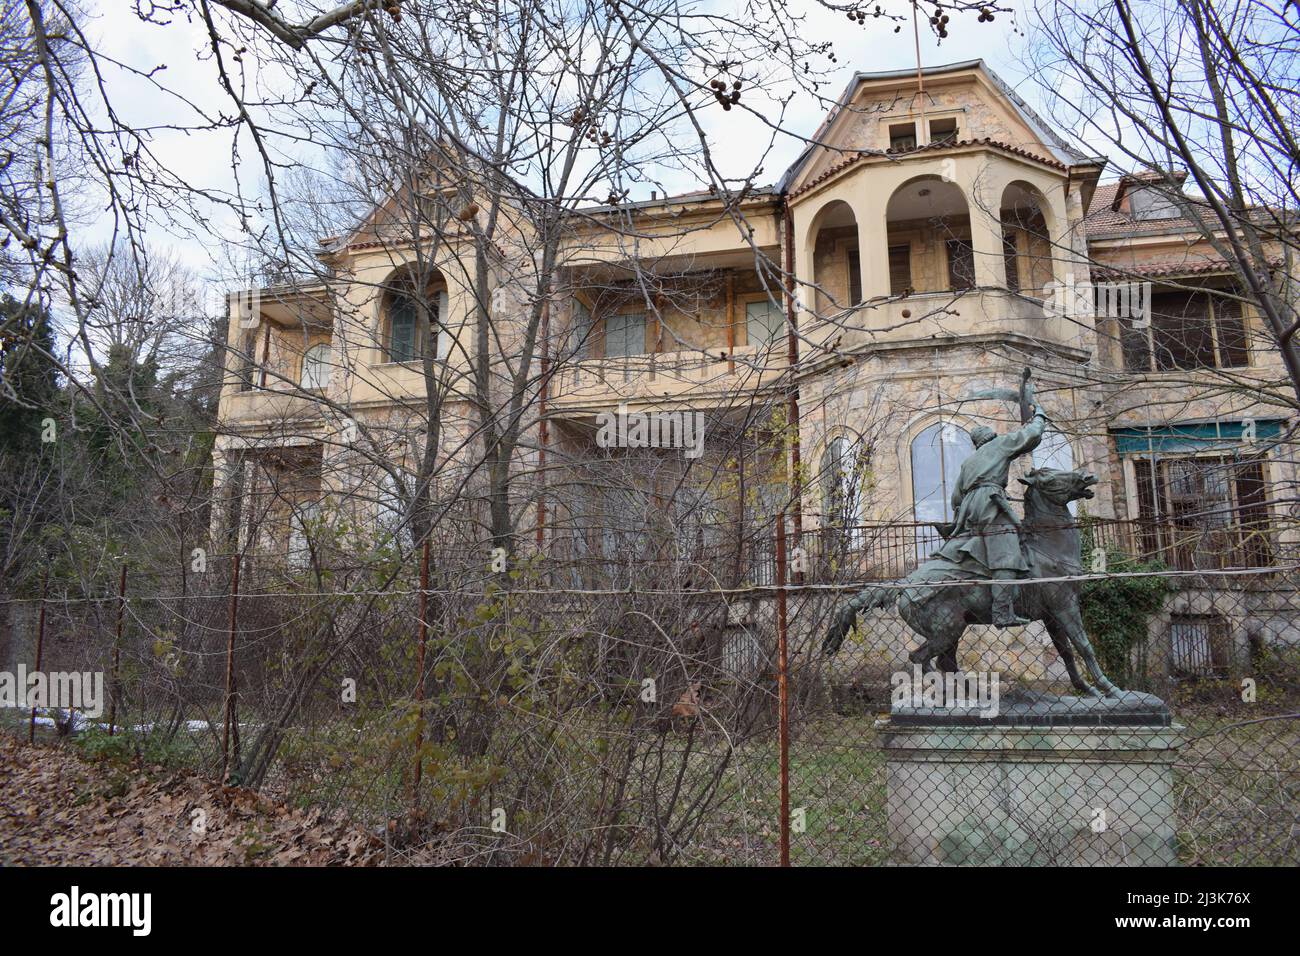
x=316, y=368
x=407, y=335
x=937, y=456
x=1054, y=451
x=844, y=475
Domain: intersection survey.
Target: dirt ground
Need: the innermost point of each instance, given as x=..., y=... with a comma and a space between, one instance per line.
x=57, y=808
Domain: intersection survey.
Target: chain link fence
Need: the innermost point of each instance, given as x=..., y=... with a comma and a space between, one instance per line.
x=575, y=709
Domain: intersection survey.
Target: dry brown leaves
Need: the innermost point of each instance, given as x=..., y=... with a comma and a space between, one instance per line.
x=59, y=809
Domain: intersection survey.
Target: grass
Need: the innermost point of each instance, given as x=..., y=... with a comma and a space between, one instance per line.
x=1236, y=783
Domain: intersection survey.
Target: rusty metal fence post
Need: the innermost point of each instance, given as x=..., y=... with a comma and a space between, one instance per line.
x=782, y=689
x=40, y=644
x=117, y=652
x=230, y=713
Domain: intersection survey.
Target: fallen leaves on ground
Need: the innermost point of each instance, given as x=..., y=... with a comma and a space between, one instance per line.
x=58, y=809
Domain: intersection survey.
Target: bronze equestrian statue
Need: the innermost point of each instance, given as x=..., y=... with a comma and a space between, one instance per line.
x=969, y=579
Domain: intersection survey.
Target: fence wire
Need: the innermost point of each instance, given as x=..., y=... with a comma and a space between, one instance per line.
x=574, y=711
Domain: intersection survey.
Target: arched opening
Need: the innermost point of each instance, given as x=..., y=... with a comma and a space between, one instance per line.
x=937, y=456
x=844, y=476
x=316, y=368
x=927, y=229
x=1026, y=240
x=836, y=260
x=1054, y=451
x=414, y=315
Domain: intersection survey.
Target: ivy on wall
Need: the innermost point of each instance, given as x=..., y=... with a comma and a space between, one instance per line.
x=1117, y=612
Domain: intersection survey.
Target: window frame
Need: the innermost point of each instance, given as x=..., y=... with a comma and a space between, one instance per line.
x=949, y=138
x=889, y=263
x=324, y=366
x=927, y=540
x=752, y=298
x=844, y=494
x=853, y=272
x=624, y=314
x=1011, y=256
x=891, y=135
x=440, y=298
x=1163, y=532
x=1129, y=332
x=967, y=243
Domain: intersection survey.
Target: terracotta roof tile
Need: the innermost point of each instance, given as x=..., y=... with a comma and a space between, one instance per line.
x=1102, y=219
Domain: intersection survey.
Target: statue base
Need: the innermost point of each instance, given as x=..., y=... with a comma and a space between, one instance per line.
x=1023, y=708
x=1052, y=795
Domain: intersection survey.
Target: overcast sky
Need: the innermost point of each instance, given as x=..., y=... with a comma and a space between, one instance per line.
x=205, y=160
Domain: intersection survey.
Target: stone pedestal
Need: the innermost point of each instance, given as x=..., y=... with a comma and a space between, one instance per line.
x=1085, y=795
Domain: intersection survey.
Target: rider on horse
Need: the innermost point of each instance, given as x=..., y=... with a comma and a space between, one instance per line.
x=985, y=529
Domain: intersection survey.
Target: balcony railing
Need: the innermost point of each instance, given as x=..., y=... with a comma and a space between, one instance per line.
x=890, y=551
x=674, y=373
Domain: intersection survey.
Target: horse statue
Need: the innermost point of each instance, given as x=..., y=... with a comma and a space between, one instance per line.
x=939, y=607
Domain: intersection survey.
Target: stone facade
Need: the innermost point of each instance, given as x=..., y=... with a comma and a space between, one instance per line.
x=996, y=230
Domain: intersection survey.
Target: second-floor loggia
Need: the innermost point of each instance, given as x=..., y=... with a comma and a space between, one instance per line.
x=689, y=333
x=281, y=351
x=895, y=251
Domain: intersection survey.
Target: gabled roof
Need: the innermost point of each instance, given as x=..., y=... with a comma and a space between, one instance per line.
x=1060, y=150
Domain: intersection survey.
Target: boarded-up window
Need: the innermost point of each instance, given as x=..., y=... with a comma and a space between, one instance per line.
x=763, y=322
x=1197, y=645
x=1011, y=260
x=961, y=264
x=900, y=269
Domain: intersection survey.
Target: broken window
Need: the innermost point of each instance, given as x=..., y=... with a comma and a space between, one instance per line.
x=1186, y=330
x=902, y=136
x=1204, y=512
x=943, y=130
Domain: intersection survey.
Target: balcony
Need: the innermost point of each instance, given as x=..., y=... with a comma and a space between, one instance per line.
x=268, y=406
x=676, y=376
x=941, y=315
